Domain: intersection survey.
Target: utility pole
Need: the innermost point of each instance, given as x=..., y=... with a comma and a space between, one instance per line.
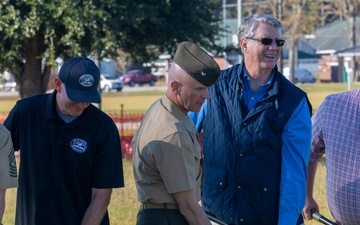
x=99, y=88
x=239, y=10
x=225, y=34
x=279, y=15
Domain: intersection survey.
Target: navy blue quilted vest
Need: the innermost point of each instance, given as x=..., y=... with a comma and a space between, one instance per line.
x=242, y=149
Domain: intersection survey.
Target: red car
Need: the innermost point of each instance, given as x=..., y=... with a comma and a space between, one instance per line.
x=138, y=76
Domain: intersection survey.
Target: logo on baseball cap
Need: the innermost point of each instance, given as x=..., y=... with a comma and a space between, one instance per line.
x=81, y=78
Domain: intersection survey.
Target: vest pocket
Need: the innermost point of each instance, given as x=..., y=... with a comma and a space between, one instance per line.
x=215, y=181
x=215, y=200
x=270, y=194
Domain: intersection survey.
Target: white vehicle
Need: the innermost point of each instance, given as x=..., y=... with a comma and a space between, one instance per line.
x=110, y=82
x=10, y=86
x=301, y=75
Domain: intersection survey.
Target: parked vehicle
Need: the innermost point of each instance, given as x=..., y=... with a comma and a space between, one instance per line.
x=110, y=82
x=300, y=75
x=10, y=86
x=138, y=76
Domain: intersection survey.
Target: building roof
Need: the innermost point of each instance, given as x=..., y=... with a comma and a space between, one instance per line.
x=334, y=36
x=348, y=52
x=300, y=55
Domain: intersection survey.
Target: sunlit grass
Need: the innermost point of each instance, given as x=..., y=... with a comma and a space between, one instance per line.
x=124, y=205
x=10, y=202
x=129, y=101
x=317, y=92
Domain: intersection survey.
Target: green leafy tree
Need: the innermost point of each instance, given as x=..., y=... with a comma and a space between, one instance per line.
x=36, y=32
x=159, y=26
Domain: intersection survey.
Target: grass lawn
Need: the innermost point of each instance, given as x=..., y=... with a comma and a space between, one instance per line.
x=123, y=207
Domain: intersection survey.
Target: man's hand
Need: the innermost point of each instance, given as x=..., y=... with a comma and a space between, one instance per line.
x=310, y=205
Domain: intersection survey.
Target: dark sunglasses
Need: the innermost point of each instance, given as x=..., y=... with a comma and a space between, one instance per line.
x=268, y=41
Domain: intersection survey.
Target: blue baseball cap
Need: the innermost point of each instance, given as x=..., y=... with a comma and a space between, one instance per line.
x=81, y=78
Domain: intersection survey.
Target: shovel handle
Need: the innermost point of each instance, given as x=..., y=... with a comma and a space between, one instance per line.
x=322, y=219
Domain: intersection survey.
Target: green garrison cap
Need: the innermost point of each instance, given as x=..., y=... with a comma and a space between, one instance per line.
x=197, y=63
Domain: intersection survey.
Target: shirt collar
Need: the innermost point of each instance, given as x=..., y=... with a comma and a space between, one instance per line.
x=248, y=80
x=51, y=106
x=174, y=109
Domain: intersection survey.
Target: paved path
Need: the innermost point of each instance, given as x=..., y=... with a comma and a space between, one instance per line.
x=126, y=89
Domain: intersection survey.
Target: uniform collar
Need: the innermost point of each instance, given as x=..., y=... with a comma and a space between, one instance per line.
x=173, y=108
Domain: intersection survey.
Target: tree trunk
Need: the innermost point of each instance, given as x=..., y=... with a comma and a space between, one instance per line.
x=292, y=58
x=352, y=36
x=33, y=79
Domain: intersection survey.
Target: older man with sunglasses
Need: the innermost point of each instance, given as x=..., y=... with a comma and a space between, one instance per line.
x=257, y=133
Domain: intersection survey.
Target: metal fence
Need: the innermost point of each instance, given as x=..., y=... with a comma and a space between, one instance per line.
x=3, y=117
x=127, y=122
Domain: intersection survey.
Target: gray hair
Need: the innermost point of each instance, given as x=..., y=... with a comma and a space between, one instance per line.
x=248, y=26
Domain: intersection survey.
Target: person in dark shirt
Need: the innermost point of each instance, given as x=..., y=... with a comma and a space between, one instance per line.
x=70, y=151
